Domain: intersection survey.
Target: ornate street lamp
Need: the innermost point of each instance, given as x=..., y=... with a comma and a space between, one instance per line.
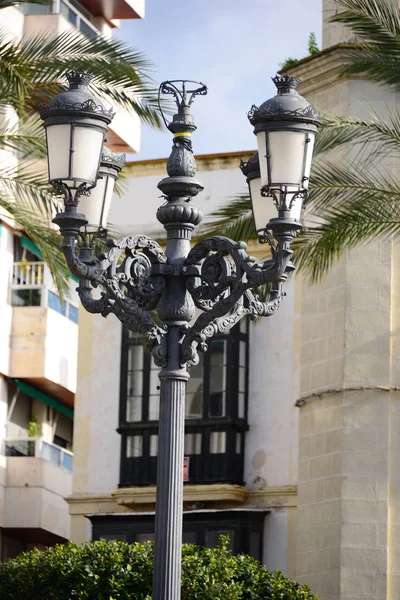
x=76, y=124
x=285, y=126
x=215, y=276
x=96, y=206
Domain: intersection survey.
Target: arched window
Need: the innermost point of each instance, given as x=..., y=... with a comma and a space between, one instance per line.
x=216, y=411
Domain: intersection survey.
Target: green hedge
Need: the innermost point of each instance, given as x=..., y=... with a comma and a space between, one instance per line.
x=118, y=571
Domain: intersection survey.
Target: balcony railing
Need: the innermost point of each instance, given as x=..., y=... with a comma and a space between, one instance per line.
x=38, y=448
x=31, y=285
x=67, y=10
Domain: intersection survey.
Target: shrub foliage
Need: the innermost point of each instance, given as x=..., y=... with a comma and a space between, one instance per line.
x=117, y=571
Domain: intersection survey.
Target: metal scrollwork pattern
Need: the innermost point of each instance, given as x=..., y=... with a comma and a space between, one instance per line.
x=131, y=290
x=222, y=290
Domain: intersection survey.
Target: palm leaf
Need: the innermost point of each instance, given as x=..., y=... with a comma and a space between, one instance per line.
x=376, y=53
x=234, y=220
x=382, y=136
x=346, y=227
x=46, y=238
x=121, y=73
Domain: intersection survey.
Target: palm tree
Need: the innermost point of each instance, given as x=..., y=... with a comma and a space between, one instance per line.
x=355, y=199
x=32, y=70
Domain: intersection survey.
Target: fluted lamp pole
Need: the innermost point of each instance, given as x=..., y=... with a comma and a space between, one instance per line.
x=216, y=276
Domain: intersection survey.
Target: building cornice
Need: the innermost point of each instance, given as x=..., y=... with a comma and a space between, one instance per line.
x=204, y=162
x=220, y=494
x=320, y=71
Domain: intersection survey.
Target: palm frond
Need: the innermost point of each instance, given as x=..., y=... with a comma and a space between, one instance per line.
x=336, y=131
x=122, y=74
x=46, y=238
x=376, y=25
x=24, y=136
x=234, y=220
x=27, y=184
x=346, y=227
x=370, y=20
x=344, y=183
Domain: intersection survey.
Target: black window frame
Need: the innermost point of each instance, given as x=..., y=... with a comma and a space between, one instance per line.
x=238, y=524
x=205, y=467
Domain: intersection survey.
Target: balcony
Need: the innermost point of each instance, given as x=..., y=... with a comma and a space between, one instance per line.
x=39, y=321
x=58, y=17
x=38, y=448
x=38, y=478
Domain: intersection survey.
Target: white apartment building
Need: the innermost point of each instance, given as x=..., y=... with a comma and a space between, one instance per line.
x=37, y=370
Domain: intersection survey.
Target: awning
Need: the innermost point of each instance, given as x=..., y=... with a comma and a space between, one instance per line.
x=29, y=245
x=33, y=392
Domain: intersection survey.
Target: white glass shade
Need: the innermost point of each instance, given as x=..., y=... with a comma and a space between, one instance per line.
x=296, y=204
x=285, y=157
x=263, y=208
x=74, y=153
x=96, y=207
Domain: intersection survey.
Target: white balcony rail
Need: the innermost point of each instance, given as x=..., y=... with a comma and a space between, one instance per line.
x=67, y=10
x=28, y=274
x=31, y=285
x=35, y=447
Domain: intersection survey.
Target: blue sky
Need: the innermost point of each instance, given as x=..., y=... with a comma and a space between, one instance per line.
x=234, y=47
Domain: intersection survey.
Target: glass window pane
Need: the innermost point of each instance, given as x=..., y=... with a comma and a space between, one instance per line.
x=134, y=446
x=55, y=303
x=217, y=442
x=36, y=9
x=238, y=443
x=135, y=357
x=217, y=378
x=242, y=354
x=154, y=379
x=217, y=404
x=192, y=443
x=26, y=297
x=194, y=395
x=154, y=408
x=243, y=325
x=134, y=408
x=189, y=537
x=194, y=405
x=135, y=383
x=242, y=379
x=254, y=545
x=241, y=406
x=153, y=445
x=73, y=313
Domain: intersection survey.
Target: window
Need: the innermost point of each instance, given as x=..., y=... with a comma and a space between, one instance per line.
x=244, y=528
x=215, y=409
x=64, y=308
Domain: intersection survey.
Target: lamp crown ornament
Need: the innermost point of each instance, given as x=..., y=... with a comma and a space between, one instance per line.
x=76, y=100
x=285, y=83
x=78, y=79
x=286, y=105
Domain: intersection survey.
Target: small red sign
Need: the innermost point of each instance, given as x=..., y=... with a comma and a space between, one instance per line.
x=186, y=461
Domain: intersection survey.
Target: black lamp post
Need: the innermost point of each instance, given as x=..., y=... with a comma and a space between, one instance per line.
x=216, y=275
